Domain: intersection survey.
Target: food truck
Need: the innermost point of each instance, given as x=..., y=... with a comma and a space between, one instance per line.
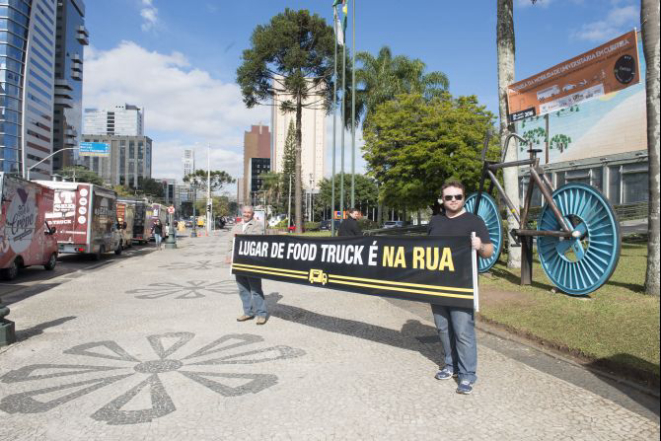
x=125, y=218
x=85, y=217
x=140, y=219
x=25, y=237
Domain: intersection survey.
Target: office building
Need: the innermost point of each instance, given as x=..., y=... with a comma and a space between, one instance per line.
x=241, y=192
x=313, y=134
x=188, y=161
x=130, y=159
x=71, y=38
x=258, y=166
x=124, y=120
x=27, y=74
x=256, y=145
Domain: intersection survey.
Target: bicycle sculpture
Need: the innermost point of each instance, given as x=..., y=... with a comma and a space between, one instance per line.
x=578, y=236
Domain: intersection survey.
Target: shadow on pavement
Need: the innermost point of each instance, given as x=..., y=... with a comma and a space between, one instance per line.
x=414, y=335
x=39, y=329
x=25, y=292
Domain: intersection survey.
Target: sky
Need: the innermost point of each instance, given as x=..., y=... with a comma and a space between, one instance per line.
x=178, y=59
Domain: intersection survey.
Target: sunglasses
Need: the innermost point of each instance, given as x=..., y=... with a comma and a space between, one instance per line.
x=456, y=197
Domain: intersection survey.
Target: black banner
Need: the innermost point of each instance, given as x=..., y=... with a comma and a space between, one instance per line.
x=427, y=269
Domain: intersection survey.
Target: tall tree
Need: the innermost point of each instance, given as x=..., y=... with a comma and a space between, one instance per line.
x=198, y=180
x=381, y=78
x=414, y=145
x=289, y=156
x=366, y=191
x=506, y=49
x=292, y=55
x=649, y=18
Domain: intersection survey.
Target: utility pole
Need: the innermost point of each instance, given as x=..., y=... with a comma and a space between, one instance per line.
x=208, y=189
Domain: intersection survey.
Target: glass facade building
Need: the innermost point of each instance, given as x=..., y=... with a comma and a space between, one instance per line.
x=71, y=39
x=128, y=164
x=27, y=48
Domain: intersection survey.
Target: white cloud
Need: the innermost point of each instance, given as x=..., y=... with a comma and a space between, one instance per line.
x=183, y=105
x=149, y=14
x=619, y=20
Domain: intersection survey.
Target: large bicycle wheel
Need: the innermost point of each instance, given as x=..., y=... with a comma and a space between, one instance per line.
x=582, y=263
x=488, y=211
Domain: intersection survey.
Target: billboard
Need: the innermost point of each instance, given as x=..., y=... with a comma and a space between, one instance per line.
x=608, y=124
x=94, y=149
x=608, y=68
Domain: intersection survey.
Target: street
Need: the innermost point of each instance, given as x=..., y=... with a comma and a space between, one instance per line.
x=147, y=346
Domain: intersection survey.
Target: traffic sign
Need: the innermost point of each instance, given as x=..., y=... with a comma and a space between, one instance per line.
x=170, y=209
x=94, y=149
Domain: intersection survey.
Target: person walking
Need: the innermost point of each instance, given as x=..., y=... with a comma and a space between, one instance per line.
x=157, y=231
x=456, y=326
x=250, y=288
x=349, y=226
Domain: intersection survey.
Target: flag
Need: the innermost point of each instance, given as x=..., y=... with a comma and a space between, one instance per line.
x=339, y=35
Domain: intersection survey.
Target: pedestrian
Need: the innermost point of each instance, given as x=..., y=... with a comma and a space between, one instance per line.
x=349, y=226
x=456, y=326
x=250, y=288
x=157, y=231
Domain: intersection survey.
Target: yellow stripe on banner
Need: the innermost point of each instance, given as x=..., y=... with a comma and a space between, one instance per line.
x=269, y=268
x=272, y=273
x=413, y=285
x=414, y=291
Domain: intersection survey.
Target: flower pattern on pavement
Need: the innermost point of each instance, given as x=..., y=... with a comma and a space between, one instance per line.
x=194, y=289
x=197, y=265
x=208, y=366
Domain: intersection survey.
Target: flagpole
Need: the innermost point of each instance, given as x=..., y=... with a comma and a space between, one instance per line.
x=334, y=124
x=353, y=103
x=343, y=112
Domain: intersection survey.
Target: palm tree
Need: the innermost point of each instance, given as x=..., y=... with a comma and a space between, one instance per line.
x=381, y=78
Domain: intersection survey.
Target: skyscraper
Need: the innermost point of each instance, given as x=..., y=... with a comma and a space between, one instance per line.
x=129, y=161
x=189, y=161
x=71, y=38
x=256, y=145
x=27, y=73
x=124, y=120
x=313, y=134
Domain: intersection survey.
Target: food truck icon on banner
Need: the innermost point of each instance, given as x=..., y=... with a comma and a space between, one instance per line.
x=318, y=276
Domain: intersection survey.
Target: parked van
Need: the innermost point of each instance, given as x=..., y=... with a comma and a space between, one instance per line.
x=86, y=218
x=25, y=238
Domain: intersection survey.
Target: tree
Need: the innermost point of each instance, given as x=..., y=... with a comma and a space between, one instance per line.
x=151, y=188
x=367, y=192
x=292, y=55
x=649, y=18
x=218, y=179
x=123, y=191
x=414, y=145
x=505, y=50
x=80, y=174
x=274, y=189
x=560, y=142
x=381, y=78
x=289, y=156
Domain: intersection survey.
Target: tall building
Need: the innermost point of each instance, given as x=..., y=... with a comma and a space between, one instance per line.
x=27, y=74
x=313, y=134
x=189, y=161
x=124, y=120
x=129, y=161
x=256, y=145
x=71, y=38
x=257, y=167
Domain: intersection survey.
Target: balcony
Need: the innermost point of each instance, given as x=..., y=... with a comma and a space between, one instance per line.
x=82, y=35
x=76, y=75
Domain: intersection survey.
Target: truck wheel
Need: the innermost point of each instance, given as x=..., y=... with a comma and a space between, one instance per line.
x=97, y=256
x=50, y=265
x=10, y=272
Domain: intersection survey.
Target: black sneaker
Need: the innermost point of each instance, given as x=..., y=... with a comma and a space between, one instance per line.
x=465, y=387
x=445, y=374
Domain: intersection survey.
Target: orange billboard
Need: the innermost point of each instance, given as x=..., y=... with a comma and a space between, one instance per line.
x=608, y=68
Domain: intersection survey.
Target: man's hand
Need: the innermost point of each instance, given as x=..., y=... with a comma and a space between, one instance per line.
x=228, y=260
x=476, y=243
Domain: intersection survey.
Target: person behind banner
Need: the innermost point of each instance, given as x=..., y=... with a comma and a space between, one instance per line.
x=456, y=326
x=349, y=226
x=250, y=288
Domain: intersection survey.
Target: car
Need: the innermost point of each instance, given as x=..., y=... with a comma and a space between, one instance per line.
x=394, y=224
x=325, y=225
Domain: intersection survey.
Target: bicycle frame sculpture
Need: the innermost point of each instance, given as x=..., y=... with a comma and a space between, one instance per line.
x=578, y=235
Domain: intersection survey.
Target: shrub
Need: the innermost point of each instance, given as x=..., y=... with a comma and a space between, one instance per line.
x=367, y=224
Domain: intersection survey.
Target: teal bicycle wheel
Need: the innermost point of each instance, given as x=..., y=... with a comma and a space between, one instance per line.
x=488, y=211
x=582, y=263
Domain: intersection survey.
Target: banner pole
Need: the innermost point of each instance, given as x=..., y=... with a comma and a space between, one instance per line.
x=476, y=289
x=232, y=258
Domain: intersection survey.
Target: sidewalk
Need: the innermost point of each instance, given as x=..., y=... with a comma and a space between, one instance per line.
x=149, y=348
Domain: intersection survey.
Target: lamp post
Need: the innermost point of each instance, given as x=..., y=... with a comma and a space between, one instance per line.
x=48, y=157
x=171, y=241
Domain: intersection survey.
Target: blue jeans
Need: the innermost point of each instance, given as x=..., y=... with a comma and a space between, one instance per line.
x=252, y=296
x=157, y=239
x=456, y=329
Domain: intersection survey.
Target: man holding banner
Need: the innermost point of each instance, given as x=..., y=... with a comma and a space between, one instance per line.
x=250, y=288
x=456, y=326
